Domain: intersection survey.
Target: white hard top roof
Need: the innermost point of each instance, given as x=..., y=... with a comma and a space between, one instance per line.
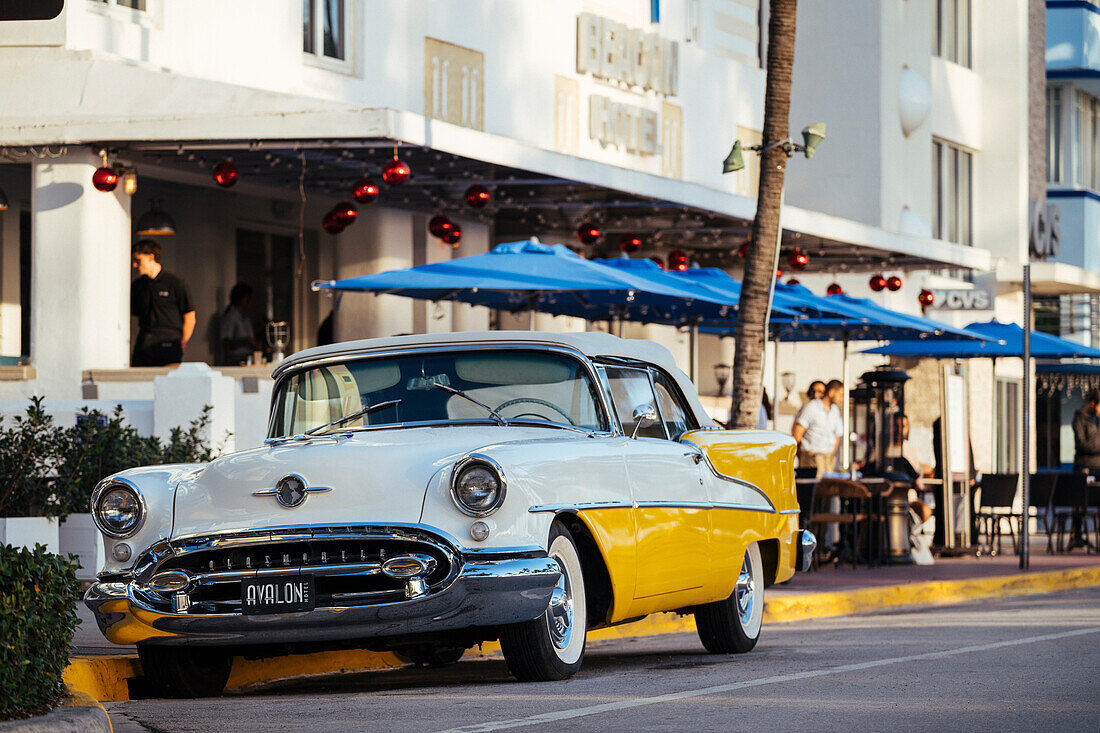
x=590, y=343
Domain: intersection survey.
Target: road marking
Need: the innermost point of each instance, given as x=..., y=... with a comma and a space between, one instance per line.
x=674, y=696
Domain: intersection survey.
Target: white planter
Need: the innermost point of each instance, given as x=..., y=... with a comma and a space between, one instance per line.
x=26, y=531
x=79, y=536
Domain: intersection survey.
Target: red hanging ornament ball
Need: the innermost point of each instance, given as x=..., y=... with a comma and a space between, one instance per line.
x=396, y=172
x=677, y=260
x=660, y=262
x=477, y=196
x=105, y=179
x=798, y=260
x=834, y=289
x=365, y=191
x=331, y=224
x=792, y=281
x=743, y=250
x=588, y=233
x=778, y=272
x=439, y=225
x=893, y=283
x=226, y=174
x=345, y=213
x=630, y=243
x=926, y=298
x=877, y=282
x=453, y=235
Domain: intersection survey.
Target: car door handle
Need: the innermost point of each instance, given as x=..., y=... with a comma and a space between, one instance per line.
x=695, y=456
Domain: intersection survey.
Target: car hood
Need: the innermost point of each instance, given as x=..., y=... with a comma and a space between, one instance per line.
x=377, y=476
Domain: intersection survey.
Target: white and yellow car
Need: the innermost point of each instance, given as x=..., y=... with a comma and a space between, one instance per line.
x=426, y=493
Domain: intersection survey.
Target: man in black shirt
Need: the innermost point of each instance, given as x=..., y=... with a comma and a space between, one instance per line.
x=1086, y=434
x=163, y=308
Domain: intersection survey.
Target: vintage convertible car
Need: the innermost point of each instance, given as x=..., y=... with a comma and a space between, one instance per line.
x=423, y=494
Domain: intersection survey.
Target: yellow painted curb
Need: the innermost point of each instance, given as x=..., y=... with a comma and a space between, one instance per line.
x=78, y=699
x=105, y=678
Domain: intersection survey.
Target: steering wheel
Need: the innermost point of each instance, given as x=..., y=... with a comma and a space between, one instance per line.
x=537, y=401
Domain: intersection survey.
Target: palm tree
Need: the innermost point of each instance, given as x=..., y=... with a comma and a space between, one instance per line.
x=760, y=260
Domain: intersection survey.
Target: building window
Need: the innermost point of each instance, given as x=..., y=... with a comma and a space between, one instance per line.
x=1088, y=141
x=323, y=28
x=1054, y=134
x=951, y=20
x=952, y=171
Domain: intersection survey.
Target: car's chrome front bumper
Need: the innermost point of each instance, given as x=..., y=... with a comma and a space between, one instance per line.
x=486, y=592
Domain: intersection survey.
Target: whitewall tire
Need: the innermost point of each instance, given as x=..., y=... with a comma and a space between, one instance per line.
x=732, y=626
x=551, y=647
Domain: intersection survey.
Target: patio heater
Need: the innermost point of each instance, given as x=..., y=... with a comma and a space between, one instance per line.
x=876, y=403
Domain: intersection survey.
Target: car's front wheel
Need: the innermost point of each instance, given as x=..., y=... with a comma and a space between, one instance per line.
x=551, y=647
x=185, y=671
x=732, y=626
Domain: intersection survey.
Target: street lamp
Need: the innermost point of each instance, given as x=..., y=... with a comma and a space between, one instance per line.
x=721, y=375
x=812, y=135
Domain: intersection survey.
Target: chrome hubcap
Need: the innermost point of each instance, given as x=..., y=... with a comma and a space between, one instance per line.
x=559, y=616
x=745, y=592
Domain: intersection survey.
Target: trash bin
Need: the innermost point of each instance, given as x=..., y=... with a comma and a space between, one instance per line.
x=897, y=529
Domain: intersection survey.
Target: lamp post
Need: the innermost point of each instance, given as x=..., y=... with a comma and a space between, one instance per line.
x=721, y=375
x=812, y=136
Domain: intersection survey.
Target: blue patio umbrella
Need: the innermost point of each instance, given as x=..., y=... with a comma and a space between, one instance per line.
x=1007, y=339
x=850, y=319
x=787, y=299
x=532, y=276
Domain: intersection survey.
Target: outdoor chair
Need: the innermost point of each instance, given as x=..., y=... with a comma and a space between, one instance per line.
x=1092, y=510
x=1041, y=497
x=998, y=496
x=854, y=509
x=1070, y=501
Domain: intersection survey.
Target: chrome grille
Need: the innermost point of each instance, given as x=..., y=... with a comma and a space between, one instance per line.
x=347, y=570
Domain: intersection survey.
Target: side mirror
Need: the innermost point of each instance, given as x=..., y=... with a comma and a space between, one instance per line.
x=643, y=414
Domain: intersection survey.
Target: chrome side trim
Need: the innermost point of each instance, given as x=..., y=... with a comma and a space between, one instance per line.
x=744, y=507
x=675, y=504
x=579, y=506
x=790, y=511
x=732, y=479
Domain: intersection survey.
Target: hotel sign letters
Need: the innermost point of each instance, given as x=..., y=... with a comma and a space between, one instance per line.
x=637, y=62
x=614, y=52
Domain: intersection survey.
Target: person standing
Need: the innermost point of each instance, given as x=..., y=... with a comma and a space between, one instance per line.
x=1086, y=434
x=818, y=428
x=238, y=338
x=159, y=299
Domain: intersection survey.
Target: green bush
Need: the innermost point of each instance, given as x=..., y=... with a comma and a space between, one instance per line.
x=50, y=471
x=38, y=596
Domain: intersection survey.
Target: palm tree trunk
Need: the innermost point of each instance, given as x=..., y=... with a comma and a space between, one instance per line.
x=756, y=289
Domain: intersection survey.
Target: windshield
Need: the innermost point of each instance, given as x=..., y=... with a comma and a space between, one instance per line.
x=528, y=387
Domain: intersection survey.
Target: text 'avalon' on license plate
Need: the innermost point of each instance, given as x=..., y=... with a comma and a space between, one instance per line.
x=277, y=594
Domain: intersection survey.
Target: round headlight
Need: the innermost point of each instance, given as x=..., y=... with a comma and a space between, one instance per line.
x=478, y=489
x=118, y=511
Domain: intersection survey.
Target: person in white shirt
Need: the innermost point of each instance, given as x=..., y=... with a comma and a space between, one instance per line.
x=818, y=428
x=238, y=338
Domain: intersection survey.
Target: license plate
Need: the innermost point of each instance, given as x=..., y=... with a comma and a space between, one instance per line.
x=277, y=594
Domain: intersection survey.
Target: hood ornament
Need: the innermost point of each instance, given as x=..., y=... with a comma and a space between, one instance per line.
x=291, y=490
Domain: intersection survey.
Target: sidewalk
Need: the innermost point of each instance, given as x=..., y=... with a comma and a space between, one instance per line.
x=104, y=670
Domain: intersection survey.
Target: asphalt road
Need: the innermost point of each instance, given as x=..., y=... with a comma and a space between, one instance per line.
x=1017, y=664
